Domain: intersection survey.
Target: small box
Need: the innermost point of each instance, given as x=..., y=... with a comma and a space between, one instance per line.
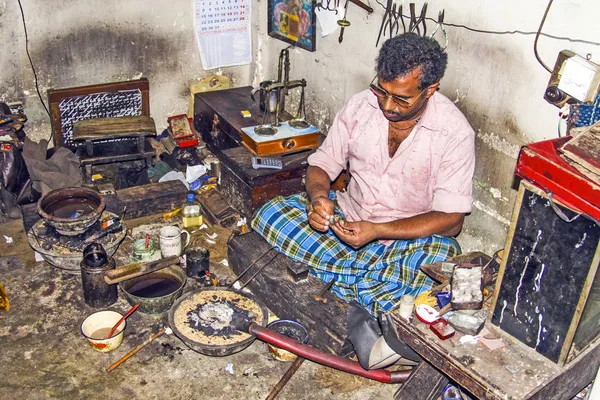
x=246, y=114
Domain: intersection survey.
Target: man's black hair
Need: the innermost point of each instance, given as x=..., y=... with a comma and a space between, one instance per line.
x=403, y=53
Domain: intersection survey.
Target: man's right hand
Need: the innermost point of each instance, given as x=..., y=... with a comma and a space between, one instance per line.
x=319, y=212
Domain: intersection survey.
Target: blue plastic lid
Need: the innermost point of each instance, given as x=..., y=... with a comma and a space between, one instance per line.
x=190, y=196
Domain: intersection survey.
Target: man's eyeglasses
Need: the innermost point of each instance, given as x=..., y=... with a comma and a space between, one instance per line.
x=382, y=93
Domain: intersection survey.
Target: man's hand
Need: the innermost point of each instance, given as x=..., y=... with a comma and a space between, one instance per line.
x=319, y=212
x=355, y=234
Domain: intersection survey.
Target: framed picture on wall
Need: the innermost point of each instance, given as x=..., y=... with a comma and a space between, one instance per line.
x=293, y=21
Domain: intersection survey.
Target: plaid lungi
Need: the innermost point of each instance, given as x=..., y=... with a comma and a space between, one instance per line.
x=375, y=275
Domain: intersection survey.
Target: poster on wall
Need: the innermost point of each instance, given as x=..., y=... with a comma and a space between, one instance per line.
x=293, y=21
x=222, y=30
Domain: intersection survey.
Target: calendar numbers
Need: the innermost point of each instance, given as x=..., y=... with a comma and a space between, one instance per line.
x=217, y=16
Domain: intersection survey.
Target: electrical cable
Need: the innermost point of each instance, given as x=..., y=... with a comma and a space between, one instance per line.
x=37, y=86
x=537, y=36
x=513, y=32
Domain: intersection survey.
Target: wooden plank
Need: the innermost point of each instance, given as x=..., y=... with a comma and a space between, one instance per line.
x=576, y=375
x=287, y=299
x=141, y=201
x=585, y=149
x=103, y=128
x=486, y=374
x=424, y=383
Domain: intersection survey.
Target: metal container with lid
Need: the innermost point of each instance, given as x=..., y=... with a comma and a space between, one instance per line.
x=96, y=292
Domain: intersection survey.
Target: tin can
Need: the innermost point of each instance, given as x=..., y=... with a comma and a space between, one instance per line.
x=96, y=292
x=197, y=262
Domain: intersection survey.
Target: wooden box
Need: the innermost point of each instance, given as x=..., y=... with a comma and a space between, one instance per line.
x=548, y=290
x=217, y=116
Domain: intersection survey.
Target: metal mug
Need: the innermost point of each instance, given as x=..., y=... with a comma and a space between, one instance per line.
x=170, y=240
x=270, y=99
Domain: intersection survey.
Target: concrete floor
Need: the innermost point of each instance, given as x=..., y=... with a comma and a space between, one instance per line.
x=44, y=356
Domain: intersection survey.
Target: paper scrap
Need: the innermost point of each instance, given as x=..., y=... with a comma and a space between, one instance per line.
x=224, y=262
x=241, y=222
x=174, y=176
x=213, y=236
x=492, y=343
x=8, y=239
x=229, y=368
x=194, y=172
x=468, y=339
x=210, y=241
x=237, y=285
x=38, y=257
x=327, y=20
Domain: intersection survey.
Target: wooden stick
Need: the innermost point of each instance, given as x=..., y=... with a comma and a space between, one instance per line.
x=132, y=352
x=133, y=270
x=285, y=378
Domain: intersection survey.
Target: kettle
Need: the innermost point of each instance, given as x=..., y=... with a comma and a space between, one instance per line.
x=267, y=100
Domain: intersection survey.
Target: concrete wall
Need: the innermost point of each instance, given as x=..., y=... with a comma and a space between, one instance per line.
x=495, y=80
x=75, y=43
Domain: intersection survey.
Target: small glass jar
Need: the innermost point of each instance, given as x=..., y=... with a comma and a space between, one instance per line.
x=407, y=303
x=141, y=252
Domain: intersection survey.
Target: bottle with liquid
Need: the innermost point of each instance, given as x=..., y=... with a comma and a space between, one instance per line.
x=192, y=216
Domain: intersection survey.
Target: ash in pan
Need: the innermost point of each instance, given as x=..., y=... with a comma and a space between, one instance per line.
x=219, y=318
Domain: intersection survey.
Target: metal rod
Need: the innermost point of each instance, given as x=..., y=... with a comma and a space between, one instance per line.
x=285, y=378
x=362, y=5
x=258, y=271
x=250, y=266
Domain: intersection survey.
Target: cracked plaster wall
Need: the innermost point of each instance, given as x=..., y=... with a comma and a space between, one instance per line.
x=494, y=79
x=75, y=43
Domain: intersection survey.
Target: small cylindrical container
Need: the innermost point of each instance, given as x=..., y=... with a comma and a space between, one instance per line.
x=407, y=302
x=143, y=253
x=96, y=292
x=197, y=262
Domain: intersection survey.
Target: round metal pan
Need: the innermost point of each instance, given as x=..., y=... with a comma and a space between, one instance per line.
x=216, y=350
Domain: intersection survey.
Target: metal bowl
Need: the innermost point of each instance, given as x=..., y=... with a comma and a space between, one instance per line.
x=215, y=350
x=71, y=226
x=160, y=304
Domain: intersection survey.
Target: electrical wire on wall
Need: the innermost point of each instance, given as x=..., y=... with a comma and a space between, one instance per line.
x=537, y=36
x=37, y=86
x=507, y=32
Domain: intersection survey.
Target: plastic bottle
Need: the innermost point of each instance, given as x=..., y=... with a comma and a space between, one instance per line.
x=192, y=217
x=407, y=303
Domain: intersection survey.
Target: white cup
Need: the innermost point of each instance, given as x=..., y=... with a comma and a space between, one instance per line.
x=170, y=241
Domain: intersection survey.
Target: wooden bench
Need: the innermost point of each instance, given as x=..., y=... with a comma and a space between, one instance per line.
x=106, y=140
x=485, y=374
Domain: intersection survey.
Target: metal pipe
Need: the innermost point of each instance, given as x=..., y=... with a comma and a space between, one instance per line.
x=330, y=360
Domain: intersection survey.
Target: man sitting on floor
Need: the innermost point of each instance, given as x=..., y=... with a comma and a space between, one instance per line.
x=411, y=155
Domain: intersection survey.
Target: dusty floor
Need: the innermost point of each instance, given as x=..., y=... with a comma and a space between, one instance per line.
x=44, y=356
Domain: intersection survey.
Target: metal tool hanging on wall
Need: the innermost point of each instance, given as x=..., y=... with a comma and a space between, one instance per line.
x=394, y=17
x=440, y=27
x=336, y=4
x=344, y=23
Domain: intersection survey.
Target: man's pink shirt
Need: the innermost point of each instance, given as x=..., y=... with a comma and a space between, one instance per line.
x=432, y=169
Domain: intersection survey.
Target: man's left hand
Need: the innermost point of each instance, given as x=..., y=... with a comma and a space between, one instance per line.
x=355, y=234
